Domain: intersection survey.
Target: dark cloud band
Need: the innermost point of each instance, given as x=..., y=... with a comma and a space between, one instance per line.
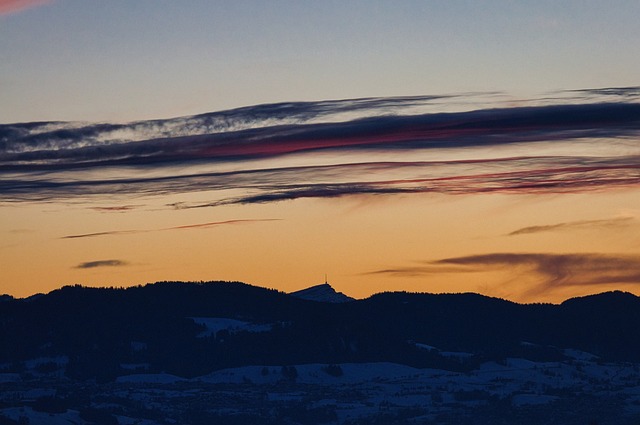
x=553, y=271
x=101, y=263
x=56, y=161
x=484, y=127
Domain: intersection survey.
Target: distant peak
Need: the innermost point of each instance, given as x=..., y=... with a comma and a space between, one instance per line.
x=322, y=293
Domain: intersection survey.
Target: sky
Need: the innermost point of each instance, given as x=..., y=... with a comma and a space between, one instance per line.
x=456, y=146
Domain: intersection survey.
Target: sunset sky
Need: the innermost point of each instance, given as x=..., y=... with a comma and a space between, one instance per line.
x=491, y=147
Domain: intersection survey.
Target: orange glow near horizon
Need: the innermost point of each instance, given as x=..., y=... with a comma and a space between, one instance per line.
x=366, y=244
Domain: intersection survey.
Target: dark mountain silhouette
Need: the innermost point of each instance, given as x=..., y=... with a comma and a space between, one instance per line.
x=190, y=329
x=322, y=293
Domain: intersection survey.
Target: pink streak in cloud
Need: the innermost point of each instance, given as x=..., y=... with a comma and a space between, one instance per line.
x=8, y=7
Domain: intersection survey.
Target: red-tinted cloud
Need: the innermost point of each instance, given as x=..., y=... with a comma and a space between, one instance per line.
x=12, y=6
x=54, y=161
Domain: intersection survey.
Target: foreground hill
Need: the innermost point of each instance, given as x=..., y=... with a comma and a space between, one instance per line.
x=231, y=353
x=191, y=329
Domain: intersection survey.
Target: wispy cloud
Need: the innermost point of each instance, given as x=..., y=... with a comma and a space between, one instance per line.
x=220, y=223
x=108, y=233
x=391, y=132
x=552, y=271
x=397, y=148
x=185, y=227
x=615, y=92
x=12, y=6
x=101, y=263
x=118, y=208
x=575, y=225
x=506, y=175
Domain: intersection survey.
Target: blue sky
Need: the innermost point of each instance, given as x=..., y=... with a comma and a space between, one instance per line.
x=126, y=60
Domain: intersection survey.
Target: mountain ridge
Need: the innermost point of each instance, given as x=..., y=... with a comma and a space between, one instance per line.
x=611, y=294
x=99, y=329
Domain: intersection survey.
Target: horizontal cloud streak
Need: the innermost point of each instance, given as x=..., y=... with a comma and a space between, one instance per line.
x=184, y=227
x=108, y=233
x=44, y=136
x=557, y=270
x=119, y=208
x=398, y=149
x=506, y=175
x=575, y=225
x=615, y=92
x=474, y=128
x=101, y=263
x=552, y=270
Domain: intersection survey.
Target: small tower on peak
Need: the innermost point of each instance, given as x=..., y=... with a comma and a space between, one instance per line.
x=322, y=293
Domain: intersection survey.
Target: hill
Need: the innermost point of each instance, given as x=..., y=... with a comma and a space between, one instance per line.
x=191, y=329
x=322, y=293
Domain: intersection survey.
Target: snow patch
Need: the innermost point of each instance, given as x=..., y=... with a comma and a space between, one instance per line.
x=138, y=346
x=149, y=378
x=579, y=355
x=216, y=324
x=40, y=361
x=426, y=347
x=42, y=418
x=450, y=354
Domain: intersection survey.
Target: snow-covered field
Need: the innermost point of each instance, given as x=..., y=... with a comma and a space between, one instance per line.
x=579, y=390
